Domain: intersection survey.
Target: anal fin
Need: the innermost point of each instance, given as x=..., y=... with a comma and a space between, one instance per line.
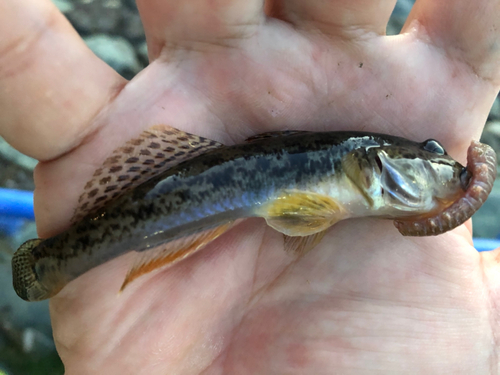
x=300, y=245
x=172, y=252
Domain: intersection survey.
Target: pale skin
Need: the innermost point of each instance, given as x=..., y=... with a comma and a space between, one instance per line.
x=366, y=300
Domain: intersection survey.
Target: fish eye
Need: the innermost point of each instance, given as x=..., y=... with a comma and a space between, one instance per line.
x=434, y=146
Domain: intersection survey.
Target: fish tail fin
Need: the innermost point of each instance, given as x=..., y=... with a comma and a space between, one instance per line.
x=24, y=277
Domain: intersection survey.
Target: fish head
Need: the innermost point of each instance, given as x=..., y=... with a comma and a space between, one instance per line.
x=407, y=180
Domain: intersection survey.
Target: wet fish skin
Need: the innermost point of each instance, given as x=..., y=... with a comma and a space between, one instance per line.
x=220, y=186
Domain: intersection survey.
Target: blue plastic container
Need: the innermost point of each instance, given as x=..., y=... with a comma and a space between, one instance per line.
x=16, y=204
x=486, y=244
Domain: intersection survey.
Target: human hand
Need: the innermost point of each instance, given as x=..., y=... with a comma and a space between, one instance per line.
x=366, y=300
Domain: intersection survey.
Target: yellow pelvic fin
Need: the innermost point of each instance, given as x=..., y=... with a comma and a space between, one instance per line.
x=298, y=213
x=154, y=151
x=171, y=252
x=299, y=245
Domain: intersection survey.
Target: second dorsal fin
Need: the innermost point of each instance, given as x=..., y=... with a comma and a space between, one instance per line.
x=154, y=151
x=279, y=133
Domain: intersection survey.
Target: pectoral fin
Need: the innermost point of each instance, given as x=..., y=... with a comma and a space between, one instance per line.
x=172, y=252
x=298, y=213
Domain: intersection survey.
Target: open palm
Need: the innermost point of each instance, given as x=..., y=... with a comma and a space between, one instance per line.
x=366, y=300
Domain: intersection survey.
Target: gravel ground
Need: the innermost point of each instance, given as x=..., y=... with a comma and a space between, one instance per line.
x=112, y=29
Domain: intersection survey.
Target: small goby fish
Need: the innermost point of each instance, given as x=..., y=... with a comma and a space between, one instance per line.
x=168, y=193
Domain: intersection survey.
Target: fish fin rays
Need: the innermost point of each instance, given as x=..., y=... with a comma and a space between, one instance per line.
x=300, y=245
x=155, y=150
x=172, y=252
x=297, y=213
x=298, y=226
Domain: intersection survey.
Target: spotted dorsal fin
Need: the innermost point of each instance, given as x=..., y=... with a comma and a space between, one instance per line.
x=154, y=151
x=281, y=133
x=172, y=252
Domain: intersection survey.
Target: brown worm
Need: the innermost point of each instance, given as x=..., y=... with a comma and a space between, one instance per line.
x=482, y=165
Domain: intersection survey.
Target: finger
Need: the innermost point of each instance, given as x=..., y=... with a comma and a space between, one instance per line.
x=197, y=23
x=341, y=17
x=51, y=84
x=467, y=30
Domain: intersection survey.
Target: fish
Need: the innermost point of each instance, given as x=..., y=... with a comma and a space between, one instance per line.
x=168, y=193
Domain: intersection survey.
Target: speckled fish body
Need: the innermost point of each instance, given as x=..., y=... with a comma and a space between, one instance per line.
x=301, y=183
